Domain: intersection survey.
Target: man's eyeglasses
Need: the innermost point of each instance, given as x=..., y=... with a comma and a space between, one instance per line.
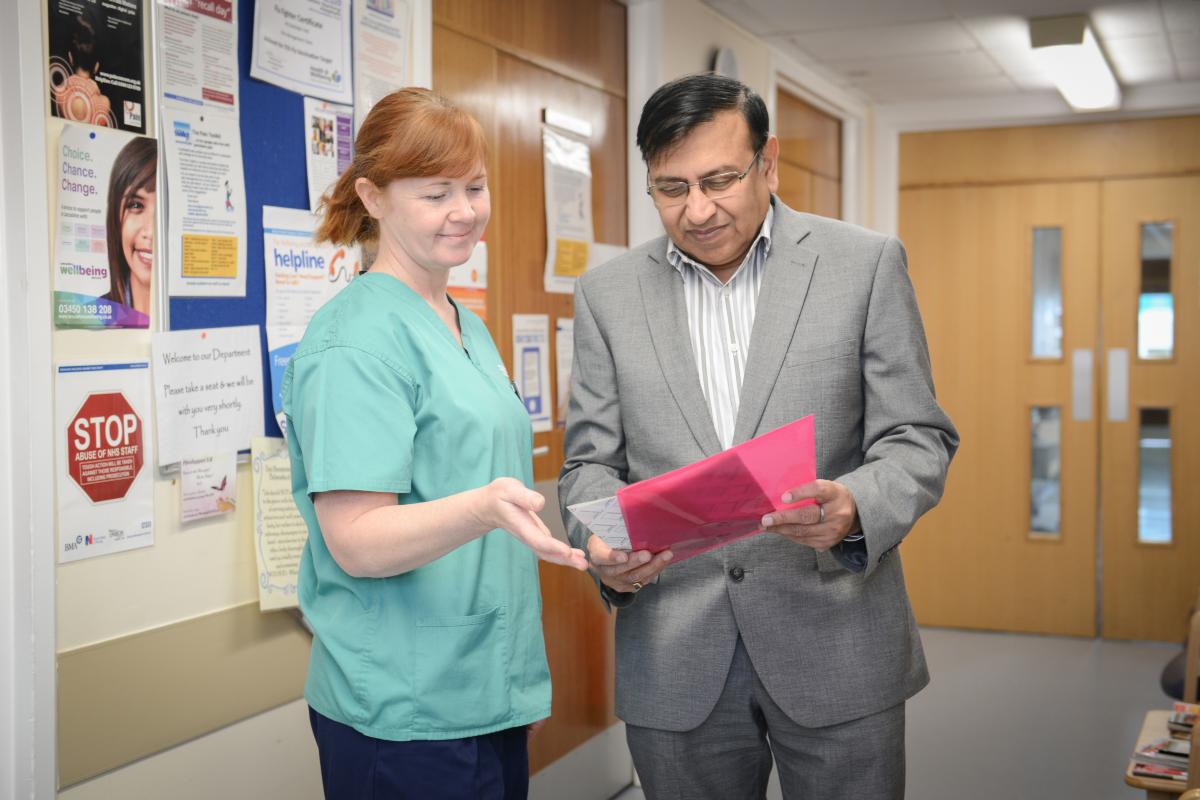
x=673, y=193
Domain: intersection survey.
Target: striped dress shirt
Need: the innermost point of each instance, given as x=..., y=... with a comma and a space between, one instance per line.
x=720, y=319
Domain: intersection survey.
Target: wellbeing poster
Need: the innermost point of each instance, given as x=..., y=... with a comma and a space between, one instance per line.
x=104, y=229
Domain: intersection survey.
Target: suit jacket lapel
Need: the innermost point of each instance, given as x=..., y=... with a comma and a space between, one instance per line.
x=787, y=274
x=667, y=317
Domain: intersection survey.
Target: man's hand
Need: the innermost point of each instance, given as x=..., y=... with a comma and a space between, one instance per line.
x=621, y=570
x=808, y=525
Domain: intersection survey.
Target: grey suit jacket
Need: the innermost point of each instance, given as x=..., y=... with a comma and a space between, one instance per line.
x=836, y=334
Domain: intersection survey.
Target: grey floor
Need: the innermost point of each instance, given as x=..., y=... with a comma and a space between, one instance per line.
x=1013, y=717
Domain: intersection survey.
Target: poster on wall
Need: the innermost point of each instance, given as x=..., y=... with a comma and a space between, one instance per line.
x=206, y=204
x=105, y=461
x=207, y=486
x=301, y=276
x=564, y=353
x=468, y=282
x=279, y=531
x=207, y=390
x=531, y=367
x=328, y=145
x=104, y=229
x=304, y=46
x=96, y=69
x=382, y=43
x=197, y=54
x=569, y=234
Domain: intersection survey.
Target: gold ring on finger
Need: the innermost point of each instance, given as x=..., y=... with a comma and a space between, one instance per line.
x=637, y=587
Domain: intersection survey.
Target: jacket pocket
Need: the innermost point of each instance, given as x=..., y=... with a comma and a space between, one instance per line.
x=825, y=352
x=461, y=672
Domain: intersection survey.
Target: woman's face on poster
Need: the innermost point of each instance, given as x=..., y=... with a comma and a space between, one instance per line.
x=137, y=233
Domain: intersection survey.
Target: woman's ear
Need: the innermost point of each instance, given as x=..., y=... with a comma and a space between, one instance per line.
x=372, y=197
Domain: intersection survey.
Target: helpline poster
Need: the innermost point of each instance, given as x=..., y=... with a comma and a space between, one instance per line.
x=104, y=229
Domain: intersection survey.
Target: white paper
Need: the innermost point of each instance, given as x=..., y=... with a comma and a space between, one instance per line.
x=603, y=517
x=304, y=46
x=105, y=457
x=100, y=284
x=208, y=391
x=328, y=145
x=207, y=486
x=468, y=282
x=279, y=531
x=568, y=187
x=382, y=31
x=564, y=352
x=531, y=367
x=197, y=54
x=1118, y=384
x=206, y=204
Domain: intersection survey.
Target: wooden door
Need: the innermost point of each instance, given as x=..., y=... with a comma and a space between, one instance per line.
x=810, y=156
x=1150, y=447
x=1009, y=548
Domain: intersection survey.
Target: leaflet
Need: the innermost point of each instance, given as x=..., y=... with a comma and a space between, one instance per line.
x=711, y=503
x=206, y=204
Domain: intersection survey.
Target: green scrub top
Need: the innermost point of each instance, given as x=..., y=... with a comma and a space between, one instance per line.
x=380, y=397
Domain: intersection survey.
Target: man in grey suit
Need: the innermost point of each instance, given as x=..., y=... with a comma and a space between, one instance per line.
x=798, y=644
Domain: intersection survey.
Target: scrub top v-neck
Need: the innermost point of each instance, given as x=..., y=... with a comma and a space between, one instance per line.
x=381, y=397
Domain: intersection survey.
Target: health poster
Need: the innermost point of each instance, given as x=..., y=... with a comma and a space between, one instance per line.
x=328, y=145
x=104, y=229
x=206, y=204
x=96, y=67
x=197, y=53
x=531, y=367
x=105, y=459
x=279, y=531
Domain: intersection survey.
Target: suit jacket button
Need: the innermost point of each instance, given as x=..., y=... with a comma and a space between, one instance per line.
x=737, y=573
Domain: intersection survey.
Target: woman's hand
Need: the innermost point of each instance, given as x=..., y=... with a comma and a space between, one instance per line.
x=510, y=505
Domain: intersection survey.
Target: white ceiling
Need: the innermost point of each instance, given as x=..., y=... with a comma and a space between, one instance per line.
x=899, y=51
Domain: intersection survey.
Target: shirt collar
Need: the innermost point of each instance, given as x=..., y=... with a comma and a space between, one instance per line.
x=678, y=259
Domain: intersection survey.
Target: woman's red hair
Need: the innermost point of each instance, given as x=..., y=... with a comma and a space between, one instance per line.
x=410, y=133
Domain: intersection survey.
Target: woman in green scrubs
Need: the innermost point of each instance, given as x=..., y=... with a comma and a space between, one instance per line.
x=411, y=465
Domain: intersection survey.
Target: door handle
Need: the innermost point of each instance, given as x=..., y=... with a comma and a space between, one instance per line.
x=1082, y=364
x=1118, y=384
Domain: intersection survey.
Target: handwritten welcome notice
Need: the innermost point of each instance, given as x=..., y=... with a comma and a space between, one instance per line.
x=208, y=391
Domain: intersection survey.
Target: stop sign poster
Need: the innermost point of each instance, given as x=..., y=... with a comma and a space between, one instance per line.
x=105, y=460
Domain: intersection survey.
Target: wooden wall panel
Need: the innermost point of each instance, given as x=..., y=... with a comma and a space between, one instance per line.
x=808, y=137
x=521, y=226
x=810, y=156
x=795, y=186
x=584, y=41
x=505, y=63
x=1082, y=151
x=826, y=197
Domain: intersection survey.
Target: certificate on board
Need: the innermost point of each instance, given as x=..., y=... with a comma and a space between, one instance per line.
x=304, y=46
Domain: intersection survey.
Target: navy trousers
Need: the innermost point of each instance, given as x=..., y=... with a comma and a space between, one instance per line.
x=494, y=766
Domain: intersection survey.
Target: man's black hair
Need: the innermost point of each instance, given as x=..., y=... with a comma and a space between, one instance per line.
x=678, y=107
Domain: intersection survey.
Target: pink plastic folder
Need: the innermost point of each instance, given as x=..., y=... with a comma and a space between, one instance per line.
x=722, y=498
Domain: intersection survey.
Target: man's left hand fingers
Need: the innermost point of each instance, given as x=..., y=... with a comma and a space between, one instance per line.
x=821, y=491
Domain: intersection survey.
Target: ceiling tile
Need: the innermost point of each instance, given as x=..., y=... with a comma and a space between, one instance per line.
x=788, y=16
x=974, y=64
x=1185, y=46
x=904, y=91
x=1181, y=15
x=996, y=32
x=886, y=41
x=1032, y=81
x=1189, y=70
x=1127, y=19
x=1020, y=8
